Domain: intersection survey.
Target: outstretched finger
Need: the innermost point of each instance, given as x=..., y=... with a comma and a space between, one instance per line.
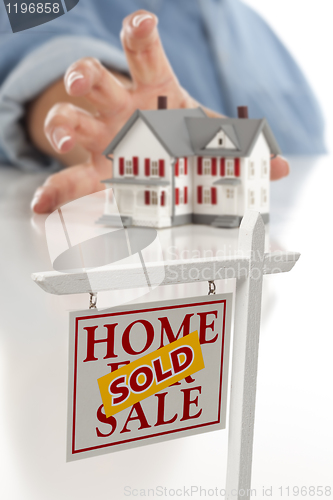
x=89, y=78
x=279, y=168
x=144, y=51
x=66, y=125
x=70, y=184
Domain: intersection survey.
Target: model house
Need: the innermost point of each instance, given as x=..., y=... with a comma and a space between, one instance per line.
x=178, y=166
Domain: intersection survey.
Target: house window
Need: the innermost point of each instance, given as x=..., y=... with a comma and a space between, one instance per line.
x=154, y=168
x=229, y=168
x=206, y=167
x=251, y=169
x=251, y=197
x=263, y=196
x=154, y=198
x=230, y=193
x=264, y=168
x=128, y=167
x=181, y=166
x=220, y=139
x=181, y=196
x=206, y=195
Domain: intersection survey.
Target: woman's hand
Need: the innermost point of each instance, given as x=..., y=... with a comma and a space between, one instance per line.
x=99, y=103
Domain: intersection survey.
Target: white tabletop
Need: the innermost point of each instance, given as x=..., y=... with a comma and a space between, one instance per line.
x=293, y=431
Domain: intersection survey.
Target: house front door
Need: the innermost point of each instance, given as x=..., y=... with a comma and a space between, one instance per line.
x=126, y=201
x=230, y=200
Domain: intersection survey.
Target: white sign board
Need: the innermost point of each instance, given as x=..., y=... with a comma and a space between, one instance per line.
x=104, y=341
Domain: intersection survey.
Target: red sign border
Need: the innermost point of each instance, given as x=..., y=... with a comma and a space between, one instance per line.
x=74, y=451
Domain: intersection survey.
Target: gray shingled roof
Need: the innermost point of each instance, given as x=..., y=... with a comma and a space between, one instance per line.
x=243, y=132
x=184, y=132
x=168, y=125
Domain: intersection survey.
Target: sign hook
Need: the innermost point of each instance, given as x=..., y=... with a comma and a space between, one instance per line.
x=93, y=301
x=211, y=288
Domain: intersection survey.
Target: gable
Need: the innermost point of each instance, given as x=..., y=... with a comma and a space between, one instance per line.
x=220, y=141
x=188, y=132
x=140, y=141
x=167, y=125
x=261, y=148
x=242, y=132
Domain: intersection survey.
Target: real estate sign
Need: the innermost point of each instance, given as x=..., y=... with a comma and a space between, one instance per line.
x=145, y=373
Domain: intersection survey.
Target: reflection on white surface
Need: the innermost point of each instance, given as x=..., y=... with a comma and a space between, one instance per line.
x=293, y=431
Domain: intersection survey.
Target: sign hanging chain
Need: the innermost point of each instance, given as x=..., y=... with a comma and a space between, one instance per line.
x=93, y=301
x=211, y=288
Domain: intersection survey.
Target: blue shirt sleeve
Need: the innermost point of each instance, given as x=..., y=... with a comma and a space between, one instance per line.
x=30, y=62
x=256, y=70
x=223, y=53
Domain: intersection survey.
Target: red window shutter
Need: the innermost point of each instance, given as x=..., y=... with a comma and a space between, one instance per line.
x=161, y=168
x=147, y=167
x=185, y=194
x=237, y=167
x=222, y=167
x=162, y=198
x=185, y=166
x=214, y=167
x=177, y=196
x=147, y=197
x=121, y=166
x=135, y=165
x=199, y=193
x=199, y=165
x=214, y=195
x=177, y=168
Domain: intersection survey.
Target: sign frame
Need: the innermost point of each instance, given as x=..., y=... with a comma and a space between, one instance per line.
x=248, y=267
x=75, y=453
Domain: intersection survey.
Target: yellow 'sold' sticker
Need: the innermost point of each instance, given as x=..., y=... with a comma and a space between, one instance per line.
x=150, y=374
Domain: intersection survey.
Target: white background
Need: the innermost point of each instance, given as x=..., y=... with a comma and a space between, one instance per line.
x=293, y=428
x=305, y=27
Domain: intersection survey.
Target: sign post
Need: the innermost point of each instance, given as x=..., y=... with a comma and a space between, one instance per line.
x=245, y=360
x=248, y=267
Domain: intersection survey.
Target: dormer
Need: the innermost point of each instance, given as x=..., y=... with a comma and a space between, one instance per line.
x=220, y=141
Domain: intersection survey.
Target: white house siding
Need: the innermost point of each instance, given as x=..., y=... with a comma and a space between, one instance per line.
x=240, y=188
x=207, y=181
x=141, y=142
x=259, y=182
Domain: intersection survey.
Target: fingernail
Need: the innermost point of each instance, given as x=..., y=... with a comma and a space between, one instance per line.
x=72, y=77
x=137, y=20
x=36, y=198
x=60, y=137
